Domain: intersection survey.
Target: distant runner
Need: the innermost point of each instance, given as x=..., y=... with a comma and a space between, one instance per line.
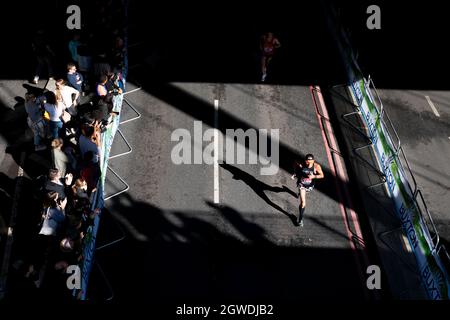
x=306, y=172
x=268, y=45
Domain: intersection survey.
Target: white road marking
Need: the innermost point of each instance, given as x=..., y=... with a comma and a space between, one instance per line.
x=216, y=151
x=134, y=90
x=432, y=106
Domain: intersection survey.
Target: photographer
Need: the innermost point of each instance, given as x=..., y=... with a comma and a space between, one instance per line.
x=35, y=120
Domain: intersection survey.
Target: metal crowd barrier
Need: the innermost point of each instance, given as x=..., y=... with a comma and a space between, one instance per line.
x=400, y=155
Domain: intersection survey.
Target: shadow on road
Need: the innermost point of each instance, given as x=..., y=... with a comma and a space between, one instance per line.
x=188, y=258
x=259, y=187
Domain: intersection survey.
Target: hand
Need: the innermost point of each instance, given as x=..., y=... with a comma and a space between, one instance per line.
x=68, y=179
x=63, y=203
x=293, y=177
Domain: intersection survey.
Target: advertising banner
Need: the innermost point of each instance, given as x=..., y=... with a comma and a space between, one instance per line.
x=434, y=276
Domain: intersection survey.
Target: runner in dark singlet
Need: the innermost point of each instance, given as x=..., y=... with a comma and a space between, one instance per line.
x=268, y=45
x=306, y=172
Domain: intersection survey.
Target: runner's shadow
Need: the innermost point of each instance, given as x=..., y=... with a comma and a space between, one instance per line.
x=259, y=187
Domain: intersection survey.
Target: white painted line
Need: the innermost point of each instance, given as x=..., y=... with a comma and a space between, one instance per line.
x=216, y=151
x=432, y=106
x=12, y=222
x=134, y=90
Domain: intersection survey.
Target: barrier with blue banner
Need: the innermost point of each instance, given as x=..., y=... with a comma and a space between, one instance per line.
x=107, y=139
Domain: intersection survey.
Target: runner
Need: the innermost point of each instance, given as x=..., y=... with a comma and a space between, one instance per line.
x=306, y=172
x=268, y=45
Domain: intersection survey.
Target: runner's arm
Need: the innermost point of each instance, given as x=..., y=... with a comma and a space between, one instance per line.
x=276, y=43
x=319, y=172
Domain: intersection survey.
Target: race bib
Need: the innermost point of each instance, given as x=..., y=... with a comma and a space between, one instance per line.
x=306, y=180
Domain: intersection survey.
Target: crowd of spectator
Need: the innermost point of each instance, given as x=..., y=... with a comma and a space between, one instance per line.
x=67, y=122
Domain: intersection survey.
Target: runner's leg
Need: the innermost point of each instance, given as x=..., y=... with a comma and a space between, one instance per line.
x=302, y=204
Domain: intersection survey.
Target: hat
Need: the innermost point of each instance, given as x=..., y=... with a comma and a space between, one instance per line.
x=309, y=156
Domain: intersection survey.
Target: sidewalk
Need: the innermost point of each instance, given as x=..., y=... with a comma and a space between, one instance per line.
x=398, y=262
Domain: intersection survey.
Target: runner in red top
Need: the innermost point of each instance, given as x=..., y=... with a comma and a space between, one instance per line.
x=268, y=45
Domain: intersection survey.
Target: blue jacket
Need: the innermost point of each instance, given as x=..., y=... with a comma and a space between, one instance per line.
x=75, y=80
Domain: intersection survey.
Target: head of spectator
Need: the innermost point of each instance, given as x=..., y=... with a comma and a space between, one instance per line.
x=71, y=68
x=54, y=175
x=66, y=245
x=51, y=199
x=79, y=188
x=50, y=97
x=57, y=143
x=60, y=84
x=87, y=131
x=103, y=79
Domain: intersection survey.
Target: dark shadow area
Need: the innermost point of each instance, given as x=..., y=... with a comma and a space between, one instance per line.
x=258, y=187
x=409, y=51
x=186, y=258
x=251, y=231
x=221, y=45
x=26, y=228
x=327, y=227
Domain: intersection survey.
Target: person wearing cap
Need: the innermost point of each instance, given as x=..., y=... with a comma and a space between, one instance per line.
x=306, y=172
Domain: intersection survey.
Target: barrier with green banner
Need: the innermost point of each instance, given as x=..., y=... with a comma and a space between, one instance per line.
x=432, y=272
x=107, y=139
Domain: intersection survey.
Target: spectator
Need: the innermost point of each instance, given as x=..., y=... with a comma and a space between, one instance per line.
x=44, y=55
x=74, y=78
x=90, y=171
x=79, y=189
x=105, y=89
x=55, y=111
x=70, y=96
x=54, y=216
x=35, y=120
x=90, y=141
x=101, y=89
x=73, y=46
x=60, y=159
x=54, y=183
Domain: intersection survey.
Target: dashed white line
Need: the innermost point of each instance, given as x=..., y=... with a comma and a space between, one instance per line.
x=432, y=106
x=216, y=151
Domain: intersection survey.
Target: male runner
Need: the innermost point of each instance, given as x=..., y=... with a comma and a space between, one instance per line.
x=306, y=172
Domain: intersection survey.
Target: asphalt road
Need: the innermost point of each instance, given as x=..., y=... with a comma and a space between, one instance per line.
x=180, y=245
x=245, y=247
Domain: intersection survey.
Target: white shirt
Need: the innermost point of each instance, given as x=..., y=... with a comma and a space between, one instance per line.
x=66, y=93
x=55, y=111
